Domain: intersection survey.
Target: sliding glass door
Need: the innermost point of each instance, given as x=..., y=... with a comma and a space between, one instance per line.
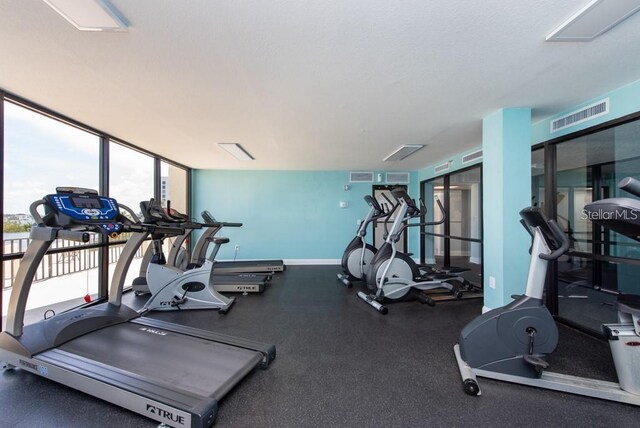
x=457, y=241
x=601, y=263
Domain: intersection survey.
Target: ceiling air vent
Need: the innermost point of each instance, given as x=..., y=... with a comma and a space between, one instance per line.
x=472, y=156
x=361, y=177
x=589, y=112
x=441, y=168
x=397, y=177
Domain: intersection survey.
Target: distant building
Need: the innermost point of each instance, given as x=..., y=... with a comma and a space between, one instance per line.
x=18, y=218
x=164, y=190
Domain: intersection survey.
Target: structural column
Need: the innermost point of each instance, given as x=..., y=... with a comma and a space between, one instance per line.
x=506, y=176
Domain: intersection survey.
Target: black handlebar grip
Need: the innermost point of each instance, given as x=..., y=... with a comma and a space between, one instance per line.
x=561, y=237
x=631, y=185
x=207, y=217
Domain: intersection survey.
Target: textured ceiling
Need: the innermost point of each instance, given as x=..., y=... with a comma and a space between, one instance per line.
x=332, y=84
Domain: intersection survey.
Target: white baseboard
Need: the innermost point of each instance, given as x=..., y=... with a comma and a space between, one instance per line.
x=485, y=309
x=294, y=262
x=430, y=261
x=475, y=260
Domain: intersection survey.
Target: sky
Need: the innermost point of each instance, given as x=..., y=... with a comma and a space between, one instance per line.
x=71, y=158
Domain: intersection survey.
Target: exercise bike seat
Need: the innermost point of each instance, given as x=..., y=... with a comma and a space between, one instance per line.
x=220, y=241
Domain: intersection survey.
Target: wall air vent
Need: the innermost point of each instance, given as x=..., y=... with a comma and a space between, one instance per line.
x=472, y=156
x=360, y=177
x=587, y=113
x=397, y=178
x=441, y=168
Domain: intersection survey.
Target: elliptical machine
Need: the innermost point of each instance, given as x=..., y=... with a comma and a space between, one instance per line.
x=359, y=253
x=393, y=275
x=510, y=343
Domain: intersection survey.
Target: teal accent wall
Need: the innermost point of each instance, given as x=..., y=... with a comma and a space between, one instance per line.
x=622, y=101
x=286, y=214
x=506, y=145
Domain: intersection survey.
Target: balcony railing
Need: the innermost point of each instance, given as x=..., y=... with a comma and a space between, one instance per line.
x=58, y=263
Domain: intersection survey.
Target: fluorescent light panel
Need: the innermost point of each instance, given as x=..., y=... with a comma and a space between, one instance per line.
x=596, y=18
x=403, y=152
x=89, y=15
x=236, y=151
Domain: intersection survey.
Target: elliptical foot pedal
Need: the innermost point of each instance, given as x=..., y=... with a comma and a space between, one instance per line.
x=538, y=363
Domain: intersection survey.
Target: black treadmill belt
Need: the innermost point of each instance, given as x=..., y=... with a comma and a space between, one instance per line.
x=190, y=363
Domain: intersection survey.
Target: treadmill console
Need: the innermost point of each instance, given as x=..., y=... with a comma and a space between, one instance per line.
x=75, y=206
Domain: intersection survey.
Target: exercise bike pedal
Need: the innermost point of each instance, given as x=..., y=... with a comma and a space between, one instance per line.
x=538, y=363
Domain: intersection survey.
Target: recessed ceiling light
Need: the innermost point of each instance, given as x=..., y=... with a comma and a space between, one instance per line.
x=236, y=151
x=596, y=18
x=90, y=15
x=403, y=152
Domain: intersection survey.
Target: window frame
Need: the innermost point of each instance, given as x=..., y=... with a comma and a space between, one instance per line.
x=105, y=138
x=549, y=149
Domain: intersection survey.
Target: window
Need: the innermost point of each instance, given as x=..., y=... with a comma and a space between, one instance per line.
x=44, y=150
x=174, y=186
x=40, y=154
x=131, y=176
x=600, y=262
x=457, y=241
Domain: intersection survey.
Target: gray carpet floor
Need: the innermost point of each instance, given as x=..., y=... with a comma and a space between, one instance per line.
x=341, y=364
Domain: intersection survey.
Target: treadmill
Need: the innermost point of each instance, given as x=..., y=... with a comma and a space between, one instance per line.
x=167, y=372
x=236, y=266
x=223, y=282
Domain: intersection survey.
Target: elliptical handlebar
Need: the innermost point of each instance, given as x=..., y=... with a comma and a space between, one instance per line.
x=373, y=203
x=428, y=223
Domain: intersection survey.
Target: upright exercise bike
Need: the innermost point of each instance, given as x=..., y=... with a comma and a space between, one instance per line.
x=172, y=288
x=511, y=343
x=393, y=275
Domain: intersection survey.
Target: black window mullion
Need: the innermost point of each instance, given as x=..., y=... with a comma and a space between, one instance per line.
x=597, y=231
x=423, y=228
x=157, y=177
x=103, y=251
x=551, y=208
x=447, y=223
x=2, y=198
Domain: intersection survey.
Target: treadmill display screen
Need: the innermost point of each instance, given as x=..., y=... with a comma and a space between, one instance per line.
x=86, y=202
